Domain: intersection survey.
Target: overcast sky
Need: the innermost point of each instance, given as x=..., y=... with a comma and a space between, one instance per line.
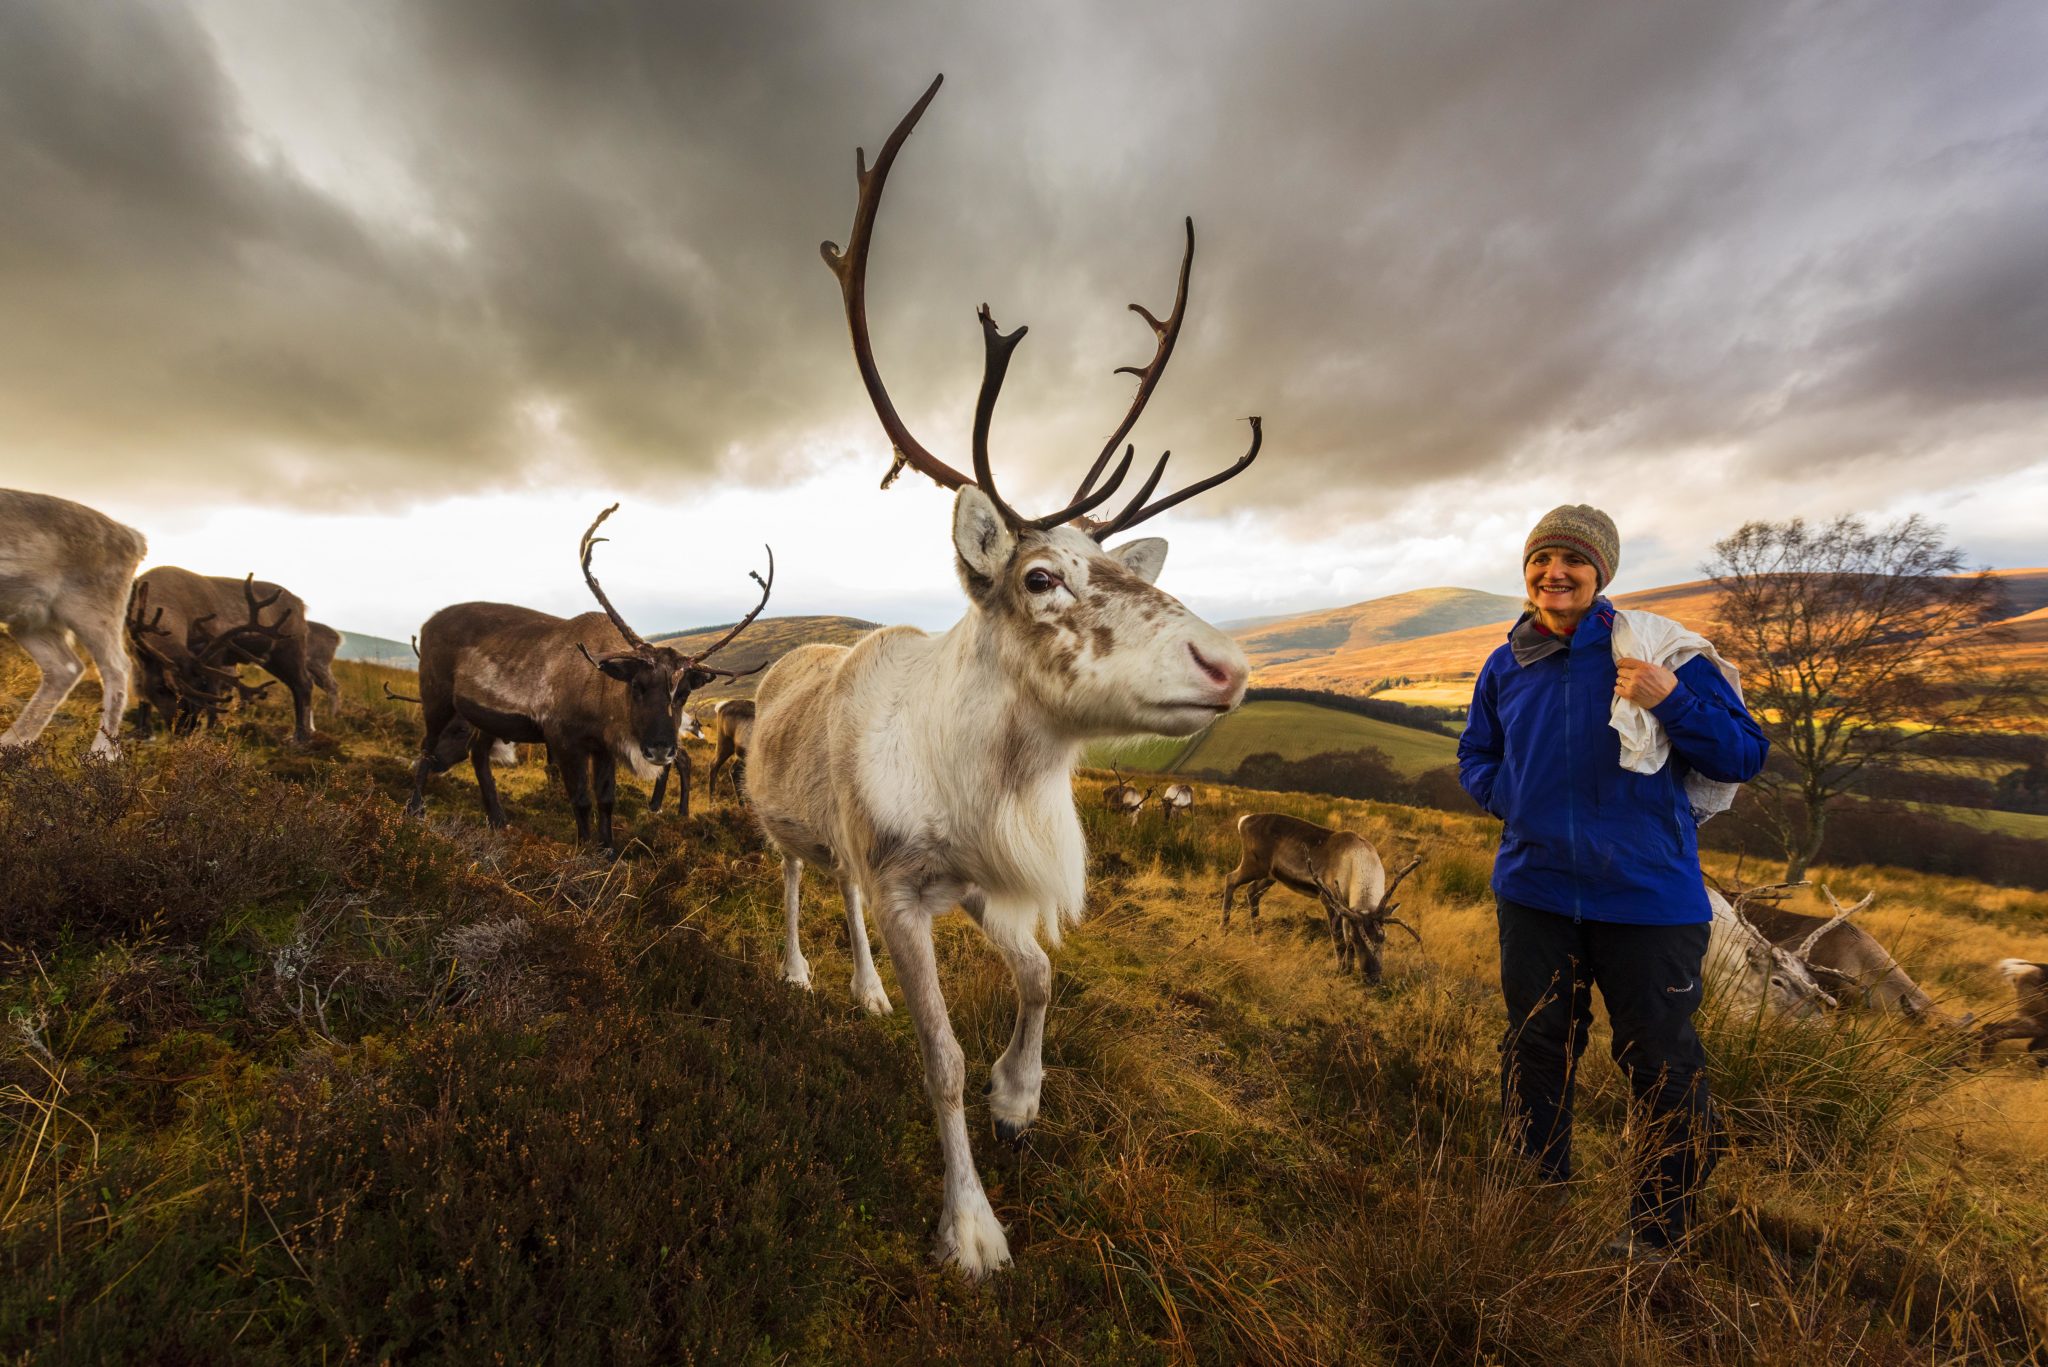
x=386, y=300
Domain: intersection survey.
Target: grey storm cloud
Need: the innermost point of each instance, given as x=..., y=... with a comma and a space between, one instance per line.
x=1434, y=241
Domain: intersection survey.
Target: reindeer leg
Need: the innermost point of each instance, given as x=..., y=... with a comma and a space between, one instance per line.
x=604, y=769
x=1253, y=895
x=1015, y=1080
x=61, y=671
x=480, y=746
x=867, y=984
x=110, y=655
x=796, y=970
x=970, y=1236
x=574, y=767
x=682, y=768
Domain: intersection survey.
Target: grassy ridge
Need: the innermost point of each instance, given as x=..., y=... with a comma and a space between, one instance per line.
x=289, y=1077
x=1298, y=730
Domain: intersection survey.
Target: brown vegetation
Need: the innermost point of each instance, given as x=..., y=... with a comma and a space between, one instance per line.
x=322, y=1082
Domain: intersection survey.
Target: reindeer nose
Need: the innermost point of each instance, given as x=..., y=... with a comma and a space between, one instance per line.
x=1224, y=676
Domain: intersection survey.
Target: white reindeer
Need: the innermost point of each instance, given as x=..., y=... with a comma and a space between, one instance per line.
x=1757, y=973
x=65, y=571
x=934, y=771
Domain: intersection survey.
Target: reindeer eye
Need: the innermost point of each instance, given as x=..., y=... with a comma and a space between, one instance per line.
x=1040, y=581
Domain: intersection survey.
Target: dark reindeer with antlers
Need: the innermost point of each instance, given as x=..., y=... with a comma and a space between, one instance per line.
x=587, y=687
x=188, y=633
x=966, y=799
x=1342, y=871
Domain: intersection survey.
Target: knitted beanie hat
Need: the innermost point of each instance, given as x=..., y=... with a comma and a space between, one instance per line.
x=1583, y=528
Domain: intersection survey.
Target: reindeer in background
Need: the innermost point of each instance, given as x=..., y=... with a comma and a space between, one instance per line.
x=2030, y=1022
x=322, y=641
x=1757, y=974
x=589, y=688
x=734, y=719
x=1341, y=870
x=1175, y=799
x=189, y=633
x=1122, y=797
x=933, y=771
x=64, y=575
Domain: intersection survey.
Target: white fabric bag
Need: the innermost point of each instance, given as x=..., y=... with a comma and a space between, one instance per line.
x=1644, y=746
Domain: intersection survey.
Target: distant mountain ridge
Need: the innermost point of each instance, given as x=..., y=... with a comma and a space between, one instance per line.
x=1285, y=654
x=1374, y=622
x=375, y=650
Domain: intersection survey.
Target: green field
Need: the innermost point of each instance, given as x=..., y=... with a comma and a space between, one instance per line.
x=1297, y=730
x=1294, y=730
x=1138, y=754
x=2028, y=824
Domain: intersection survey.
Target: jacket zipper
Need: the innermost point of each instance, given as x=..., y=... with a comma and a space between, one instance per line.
x=1571, y=785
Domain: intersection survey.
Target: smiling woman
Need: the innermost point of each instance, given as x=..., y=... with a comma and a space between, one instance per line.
x=1598, y=876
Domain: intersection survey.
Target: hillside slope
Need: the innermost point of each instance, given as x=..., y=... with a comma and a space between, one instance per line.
x=764, y=642
x=1457, y=655
x=292, y=1077
x=1377, y=621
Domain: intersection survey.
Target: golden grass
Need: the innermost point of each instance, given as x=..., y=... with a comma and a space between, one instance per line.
x=1242, y=1157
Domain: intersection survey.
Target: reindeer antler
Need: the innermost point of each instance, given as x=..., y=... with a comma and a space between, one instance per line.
x=1842, y=914
x=396, y=696
x=584, y=549
x=1387, y=898
x=850, y=267
x=767, y=587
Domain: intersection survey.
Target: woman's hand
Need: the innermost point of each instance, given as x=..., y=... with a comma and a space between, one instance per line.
x=1643, y=683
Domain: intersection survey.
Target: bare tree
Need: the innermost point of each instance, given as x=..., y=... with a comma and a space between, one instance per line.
x=1857, y=647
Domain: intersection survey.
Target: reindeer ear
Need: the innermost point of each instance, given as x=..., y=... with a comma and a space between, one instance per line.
x=1144, y=557
x=621, y=667
x=980, y=534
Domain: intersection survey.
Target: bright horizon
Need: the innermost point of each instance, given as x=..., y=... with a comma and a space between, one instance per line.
x=385, y=302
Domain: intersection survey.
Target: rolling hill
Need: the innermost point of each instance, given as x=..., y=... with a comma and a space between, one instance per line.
x=1293, y=730
x=1355, y=665
x=1378, y=621
x=765, y=642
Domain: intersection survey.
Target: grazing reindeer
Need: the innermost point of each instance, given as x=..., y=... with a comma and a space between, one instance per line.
x=1342, y=871
x=933, y=771
x=1756, y=973
x=2030, y=986
x=514, y=674
x=64, y=576
x=1850, y=960
x=1175, y=799
x=735, y=722
x=321, y=643
x=1122, y=797
x=184, y=632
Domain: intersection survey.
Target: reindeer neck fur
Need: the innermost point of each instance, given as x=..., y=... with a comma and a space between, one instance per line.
x=964, y=765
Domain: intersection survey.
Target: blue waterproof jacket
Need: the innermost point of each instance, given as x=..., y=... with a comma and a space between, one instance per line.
x=1583, y=836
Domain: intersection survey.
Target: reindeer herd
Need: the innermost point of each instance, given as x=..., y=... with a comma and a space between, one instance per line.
x=923, y=771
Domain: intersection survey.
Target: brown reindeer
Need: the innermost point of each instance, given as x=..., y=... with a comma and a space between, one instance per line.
x=734, y=719
x=321, y=643
x=1342, y=871
x=1123, y=797
x=1175, y=799
x=189, y=632
x=2030, y=1022
x=64, y=575
x=589, y=688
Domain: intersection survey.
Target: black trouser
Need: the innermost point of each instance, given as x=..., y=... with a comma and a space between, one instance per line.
x=1650, y=978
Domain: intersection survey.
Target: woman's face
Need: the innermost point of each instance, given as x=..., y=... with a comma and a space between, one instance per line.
x=1560, y=582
